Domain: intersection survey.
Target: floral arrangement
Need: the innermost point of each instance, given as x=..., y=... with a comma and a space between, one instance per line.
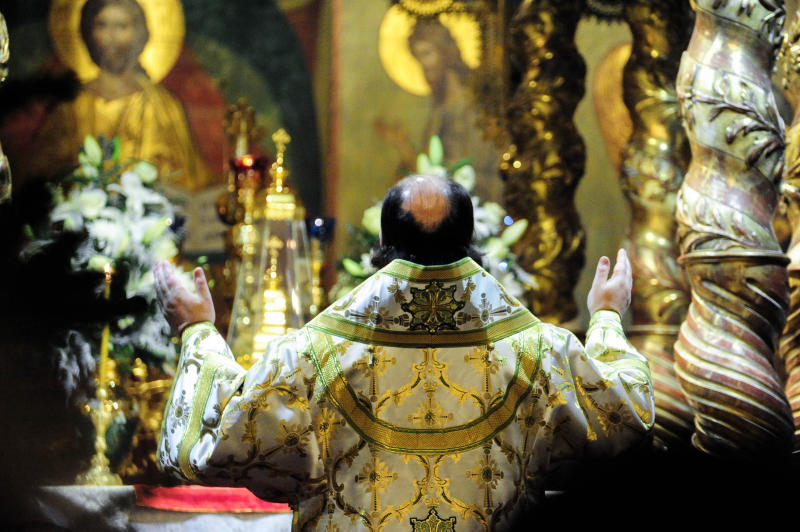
x=495, y=231
x=128, y=226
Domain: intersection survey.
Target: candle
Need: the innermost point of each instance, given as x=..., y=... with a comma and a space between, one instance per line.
x=102, y=368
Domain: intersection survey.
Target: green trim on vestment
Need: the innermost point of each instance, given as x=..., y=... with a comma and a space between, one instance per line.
x=403, y=269
x=191, y=435
x=357, y=332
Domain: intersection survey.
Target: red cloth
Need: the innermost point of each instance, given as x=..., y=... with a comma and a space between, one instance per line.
x=203, y=499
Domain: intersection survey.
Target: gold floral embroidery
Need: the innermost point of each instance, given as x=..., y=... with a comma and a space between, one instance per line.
x=377, y=477
x=294, y=438
x=430, y=413
x=275, y=383
x=484, y=361
x=180, y=412
x=374, y=365
x=325, y=427
x=486, y=474
x=397, y=292
x=433, y=308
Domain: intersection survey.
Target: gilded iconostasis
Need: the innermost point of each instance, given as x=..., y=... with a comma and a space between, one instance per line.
x=344, y=95
x=361, y=87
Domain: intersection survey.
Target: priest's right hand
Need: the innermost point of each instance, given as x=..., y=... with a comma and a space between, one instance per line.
x=612, y=293
x=181, y=307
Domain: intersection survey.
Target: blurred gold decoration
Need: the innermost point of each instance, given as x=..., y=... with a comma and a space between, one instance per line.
x=395, y=53
x=165, y=23
x=789, y=68
x=546, y=159
x=5, y=169
x=274, y=305
x=149, y=391
x=654, y=161
x=319, y=296
x=273, y=285
x=5, y=54
x=725, y=352
x=236, y=206
x=320, y=232
x=613, y=117
x=99, y=474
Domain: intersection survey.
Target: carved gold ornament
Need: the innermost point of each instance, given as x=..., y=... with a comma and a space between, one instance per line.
x=396, y=57
x=652, y=165
x=724, y=356
x=165, y=22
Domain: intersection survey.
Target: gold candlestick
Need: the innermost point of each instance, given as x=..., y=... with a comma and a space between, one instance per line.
x=99, y=474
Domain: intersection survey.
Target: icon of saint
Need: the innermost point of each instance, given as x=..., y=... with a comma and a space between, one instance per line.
x=122, y=100
x=433, y=63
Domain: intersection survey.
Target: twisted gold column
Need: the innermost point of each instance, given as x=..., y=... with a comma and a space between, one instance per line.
x=543, y=165
x=790, y=341
x=724, y=353
x=653, y=164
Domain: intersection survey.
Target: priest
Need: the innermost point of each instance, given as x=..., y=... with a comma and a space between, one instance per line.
x=427, y=397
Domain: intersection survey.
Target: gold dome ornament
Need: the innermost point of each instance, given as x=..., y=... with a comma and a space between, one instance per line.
x=165, y=24
x=395, y=52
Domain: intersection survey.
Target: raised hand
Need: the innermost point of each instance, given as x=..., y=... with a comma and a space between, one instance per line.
x=611, y=293
x=181, y=307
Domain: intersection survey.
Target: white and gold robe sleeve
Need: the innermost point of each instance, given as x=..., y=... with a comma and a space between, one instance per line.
x=227, y=426
x=593, y=401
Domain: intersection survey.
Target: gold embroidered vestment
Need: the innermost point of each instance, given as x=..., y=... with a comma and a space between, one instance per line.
x=427, y=397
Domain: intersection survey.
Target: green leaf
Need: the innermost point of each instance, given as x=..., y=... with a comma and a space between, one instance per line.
x=495, y=248
x=460, y=164
x=353, y=268
x=514, y=232
x=436, y=150
x=423, y=164
x=371, y=219
x=115, y=154
x=93, y=151
x=146, y=171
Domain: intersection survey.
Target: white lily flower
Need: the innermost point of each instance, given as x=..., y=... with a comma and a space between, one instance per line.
x=91, y=202
x=155, y=230
x=495, y=248
x=465, y=176
x=123, y=245
x=147, y=172
x=494, y=213
x=144, y=285
x=69, y=213
x=107, y=234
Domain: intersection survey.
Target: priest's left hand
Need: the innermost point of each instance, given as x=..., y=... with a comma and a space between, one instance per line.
x=181, y=307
